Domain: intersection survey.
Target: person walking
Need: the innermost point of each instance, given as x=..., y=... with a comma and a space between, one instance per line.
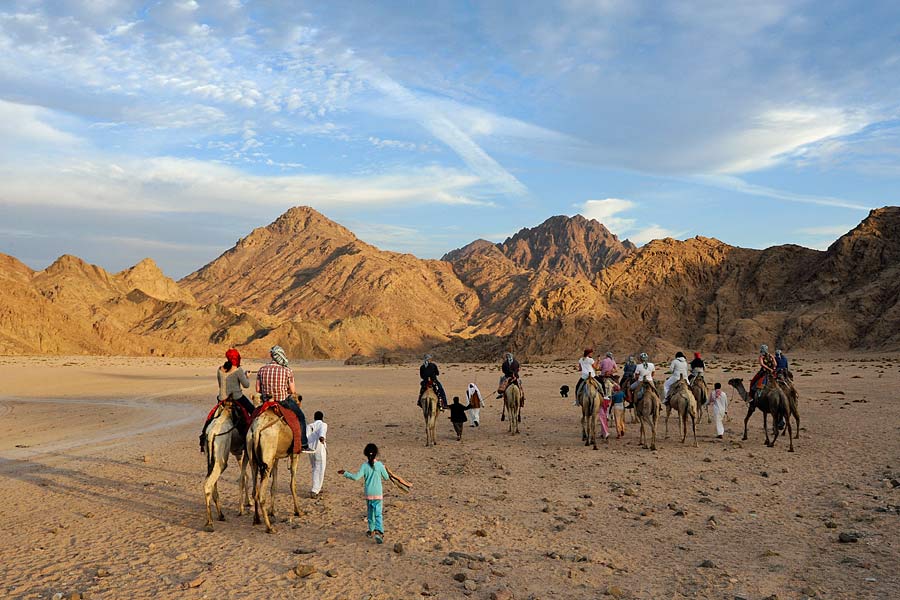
x=474, y=403
x=618, y=410
x=720, y=407
x=458, y=417
x=315, y=433
x=373, y=473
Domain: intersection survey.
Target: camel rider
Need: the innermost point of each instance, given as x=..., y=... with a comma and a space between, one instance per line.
x=510, y=368
x=608, y=368
x=428, y=371
x=698, y=367
x=275, y=381
x=642, y=372
x=586, y=365
x=628, y=372
x=766, y=367
x=781, y=363
x=679, y=370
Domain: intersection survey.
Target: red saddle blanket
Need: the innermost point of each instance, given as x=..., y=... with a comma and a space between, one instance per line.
x=236, y=409
x=288, y=415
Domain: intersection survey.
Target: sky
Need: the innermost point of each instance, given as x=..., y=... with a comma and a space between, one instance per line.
x=171, y=129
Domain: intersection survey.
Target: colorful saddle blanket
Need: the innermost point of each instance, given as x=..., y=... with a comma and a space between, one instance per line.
x=243, y=419
x=288, y=415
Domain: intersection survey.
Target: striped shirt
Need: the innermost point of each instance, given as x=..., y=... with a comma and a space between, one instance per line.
x=274, y=381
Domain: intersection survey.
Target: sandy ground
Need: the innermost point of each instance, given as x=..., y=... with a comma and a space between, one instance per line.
x=100, y=480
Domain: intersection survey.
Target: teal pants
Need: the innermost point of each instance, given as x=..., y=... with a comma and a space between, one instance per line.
x=373, y=507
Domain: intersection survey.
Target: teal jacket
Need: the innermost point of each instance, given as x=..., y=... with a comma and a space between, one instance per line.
x=373, y=477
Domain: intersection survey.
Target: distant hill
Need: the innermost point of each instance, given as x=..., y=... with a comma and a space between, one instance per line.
x=309, y=284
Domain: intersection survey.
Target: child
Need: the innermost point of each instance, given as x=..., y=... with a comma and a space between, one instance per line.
x=373, y=472
x=457, y=417
x=315, y=433
x=618, y=410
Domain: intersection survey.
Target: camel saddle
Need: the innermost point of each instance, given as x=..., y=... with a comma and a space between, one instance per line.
x=242, y=422
x=289, y=416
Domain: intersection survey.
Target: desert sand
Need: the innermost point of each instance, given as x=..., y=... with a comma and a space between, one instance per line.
x=100, y=478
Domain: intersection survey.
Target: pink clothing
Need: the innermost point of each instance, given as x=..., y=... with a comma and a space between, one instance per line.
x=603, y=418
x=608, y=366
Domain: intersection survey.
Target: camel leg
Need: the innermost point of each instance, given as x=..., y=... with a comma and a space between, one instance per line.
x=750, y=409
x=254, y=473
x=766, y=427
x=208, y=487
x=668, y=410
x=790, y=437
x=295, y=460
x=272, y=487
x=654, y=421
x=694, y=429
x=796, y=413
x=265, y=494
x=245, y=494
x=684, y=428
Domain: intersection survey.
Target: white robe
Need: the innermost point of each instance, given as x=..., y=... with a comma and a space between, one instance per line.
x=719, y=408
x=315, y=432
x=474, y=413
x=679, y=368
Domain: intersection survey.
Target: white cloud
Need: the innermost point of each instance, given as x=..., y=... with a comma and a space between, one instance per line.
x=25, y=124
x=607, y=212
x=167, y=184
x=736, y=184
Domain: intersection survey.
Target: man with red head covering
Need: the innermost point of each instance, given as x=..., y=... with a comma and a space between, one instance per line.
x=232, y=378
x=697, y=367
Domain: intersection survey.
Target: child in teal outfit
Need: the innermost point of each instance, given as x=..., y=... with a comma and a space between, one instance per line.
x=374, y=472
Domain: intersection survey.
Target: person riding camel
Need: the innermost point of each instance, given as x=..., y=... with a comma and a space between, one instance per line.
x=586, y=365
x=679, y=370
x=698, y=367
x=231, y=379
x=428, y=371
x=510, y=368
x=275, y=381
x=627, y=372
x=767, y=366
x=643, y=372
x=608, y=368
x=781, y=364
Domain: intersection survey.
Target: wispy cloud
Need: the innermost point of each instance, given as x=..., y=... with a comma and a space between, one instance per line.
x=736, y=184
x=826, y=230
x=608, y=212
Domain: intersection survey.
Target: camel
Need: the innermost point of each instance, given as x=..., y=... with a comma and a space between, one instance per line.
x=429, y=402
x=701, y=395
x=511, y=398
x=787, y=386
x=647, y=410
x=682, y=401
x=223, y=439
x=589, y=398
x=771, y=400
x=270, y=439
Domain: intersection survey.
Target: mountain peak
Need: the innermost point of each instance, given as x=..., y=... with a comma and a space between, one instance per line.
x=572, y=246
x=147, y=277
x=299, y=219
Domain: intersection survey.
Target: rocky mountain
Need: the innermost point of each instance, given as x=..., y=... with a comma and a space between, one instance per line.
x=309, y=284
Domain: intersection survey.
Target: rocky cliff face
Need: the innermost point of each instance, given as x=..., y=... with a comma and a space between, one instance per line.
x=309, y=284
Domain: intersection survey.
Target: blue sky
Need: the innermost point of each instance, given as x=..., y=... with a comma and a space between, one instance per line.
x=170, y=129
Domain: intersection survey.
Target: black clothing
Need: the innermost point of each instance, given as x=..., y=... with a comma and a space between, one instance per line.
x=429, y=371
x=458, y=413
x=697, y=363
x=511, y=370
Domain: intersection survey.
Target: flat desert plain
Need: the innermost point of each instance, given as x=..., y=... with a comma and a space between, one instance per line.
x=100, y=481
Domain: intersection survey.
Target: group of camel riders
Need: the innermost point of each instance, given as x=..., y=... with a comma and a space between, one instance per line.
x=428, y=374
x=633, y=373
x=274, y=384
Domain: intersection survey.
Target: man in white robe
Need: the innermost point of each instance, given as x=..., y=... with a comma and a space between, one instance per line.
x=315, y=432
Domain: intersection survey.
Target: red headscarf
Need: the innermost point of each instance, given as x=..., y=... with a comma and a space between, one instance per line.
x=696, y=355
x=233, y=356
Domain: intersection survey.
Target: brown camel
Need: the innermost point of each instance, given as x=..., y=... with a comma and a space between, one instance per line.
x=429, y=402
x=589, y=398
x=647, y=410
x=770, y=400
x=682, y=401
x=787, y=385
x=701, y=395
x=511, y=399
x=223, y=439
x=270, y=439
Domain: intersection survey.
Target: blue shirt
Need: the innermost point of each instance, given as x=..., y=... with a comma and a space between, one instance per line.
x=781, y=362
x=618, y=397
x=373, y=477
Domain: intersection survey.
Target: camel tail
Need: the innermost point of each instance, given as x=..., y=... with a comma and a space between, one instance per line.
x=255, y=452
x=210, y=459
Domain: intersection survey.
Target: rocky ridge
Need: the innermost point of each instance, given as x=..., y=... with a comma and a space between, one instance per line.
x=312, y=286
